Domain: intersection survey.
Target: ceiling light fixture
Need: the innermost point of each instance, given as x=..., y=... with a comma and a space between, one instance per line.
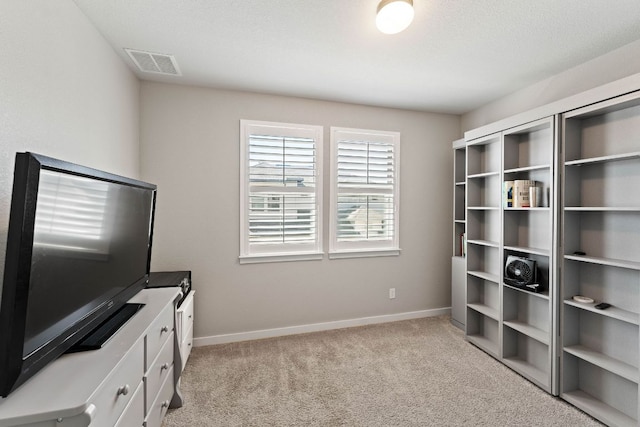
x=394, y=15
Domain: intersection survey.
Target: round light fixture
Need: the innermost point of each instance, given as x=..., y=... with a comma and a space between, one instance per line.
x=394, y=15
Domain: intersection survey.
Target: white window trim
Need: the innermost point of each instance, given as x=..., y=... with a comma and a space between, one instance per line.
x=338, y=250
x=288, y=252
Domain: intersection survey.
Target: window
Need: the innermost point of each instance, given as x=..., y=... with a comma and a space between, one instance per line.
x=364, y=192
x=281, y=191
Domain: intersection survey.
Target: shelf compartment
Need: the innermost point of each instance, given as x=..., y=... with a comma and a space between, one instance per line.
x=483, y=175
x=458, y=203
x=485, y=259
x=542, y=265
x=459, y=228
x=527, y=250
x=483, y=296
x=525, y=313
x=488, y=243
x=485, y=276
x=632, y=265
x=606, y=340
x=613, y=312
x=528, y=330
x=604, y=159
x=529, y=145
x=602, y=394
x=485, y=310
x=529, y=357
x=610, y=184
x=483, y=225
x=482, y=331
x=536, y=209
x=542, y=167
x=528, y=228
x=459, y=164
x=609, y=238
x=614, y=285
x=534, y=374
x=483, y=208
x=612, y=121
x=485, y=190
x=610, y=364
x=597, y=409
x=483, y=155
x=602, y=209
x=542, y=295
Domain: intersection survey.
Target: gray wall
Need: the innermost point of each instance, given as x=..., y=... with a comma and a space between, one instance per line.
x=611, y=66
x=190, y=149
x=63, y=93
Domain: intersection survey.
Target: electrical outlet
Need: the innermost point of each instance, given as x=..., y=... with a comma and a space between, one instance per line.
x=392, y=293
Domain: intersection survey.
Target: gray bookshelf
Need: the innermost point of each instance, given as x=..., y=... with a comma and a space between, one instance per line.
x=483, y=221
x=528, y=317
x=515, y=326
x=458, y=276
x=600, y=216
x=584, y=152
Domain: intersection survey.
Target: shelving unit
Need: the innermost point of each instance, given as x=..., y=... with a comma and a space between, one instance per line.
x=600, y=217
x=513, y=324
x=458, y=277
x=528, y=317
x=483, y=264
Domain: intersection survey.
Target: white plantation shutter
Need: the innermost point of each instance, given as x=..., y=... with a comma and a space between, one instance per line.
x=364, y=187
x=281, y=190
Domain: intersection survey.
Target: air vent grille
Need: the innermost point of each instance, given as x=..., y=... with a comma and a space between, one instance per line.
x=158, y=63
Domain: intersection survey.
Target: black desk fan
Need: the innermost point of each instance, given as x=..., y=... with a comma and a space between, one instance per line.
x=521, y=273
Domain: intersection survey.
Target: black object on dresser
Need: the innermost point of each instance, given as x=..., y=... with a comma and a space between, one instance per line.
x=169, y=279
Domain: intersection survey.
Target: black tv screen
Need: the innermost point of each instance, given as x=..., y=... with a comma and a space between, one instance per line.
x=78, y=247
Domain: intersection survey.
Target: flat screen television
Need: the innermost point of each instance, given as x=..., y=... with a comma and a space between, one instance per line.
x=78, y=248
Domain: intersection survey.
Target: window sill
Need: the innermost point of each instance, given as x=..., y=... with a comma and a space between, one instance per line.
x=280, y=257
x=363, y=253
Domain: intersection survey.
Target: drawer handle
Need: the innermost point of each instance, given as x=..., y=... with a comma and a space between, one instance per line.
x=189, y=344
x=190, y=316
x=124, y=390
x=165, y=404
x=164, y=366
x=164, y=329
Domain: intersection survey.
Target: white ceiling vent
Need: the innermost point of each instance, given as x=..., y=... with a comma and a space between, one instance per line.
x=158, y=63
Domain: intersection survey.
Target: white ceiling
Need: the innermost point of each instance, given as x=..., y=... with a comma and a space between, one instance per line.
x=456, y=56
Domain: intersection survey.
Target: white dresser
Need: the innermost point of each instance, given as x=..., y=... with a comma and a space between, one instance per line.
x=128, y=382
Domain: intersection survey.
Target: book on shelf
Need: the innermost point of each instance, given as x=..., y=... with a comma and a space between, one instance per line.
x=507, y=194
x=521, y=192
x=463, y=244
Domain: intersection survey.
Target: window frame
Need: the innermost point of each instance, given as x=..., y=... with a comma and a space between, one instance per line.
x=363, y=248
x=256, y=253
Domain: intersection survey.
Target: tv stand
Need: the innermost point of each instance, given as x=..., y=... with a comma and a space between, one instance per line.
x=101, y=334
x=128, y=382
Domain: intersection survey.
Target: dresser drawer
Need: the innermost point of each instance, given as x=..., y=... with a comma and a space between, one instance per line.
x=159, y=407
x=184, y=317
x=186, y=346
x=133, y=415
x=158, y=372
x=116, y=392
x=158, y=333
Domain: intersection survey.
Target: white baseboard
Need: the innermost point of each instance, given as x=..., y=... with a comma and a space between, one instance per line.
x=316, y=327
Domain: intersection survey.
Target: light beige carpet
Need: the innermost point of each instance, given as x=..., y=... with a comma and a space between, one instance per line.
x=411, y=373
